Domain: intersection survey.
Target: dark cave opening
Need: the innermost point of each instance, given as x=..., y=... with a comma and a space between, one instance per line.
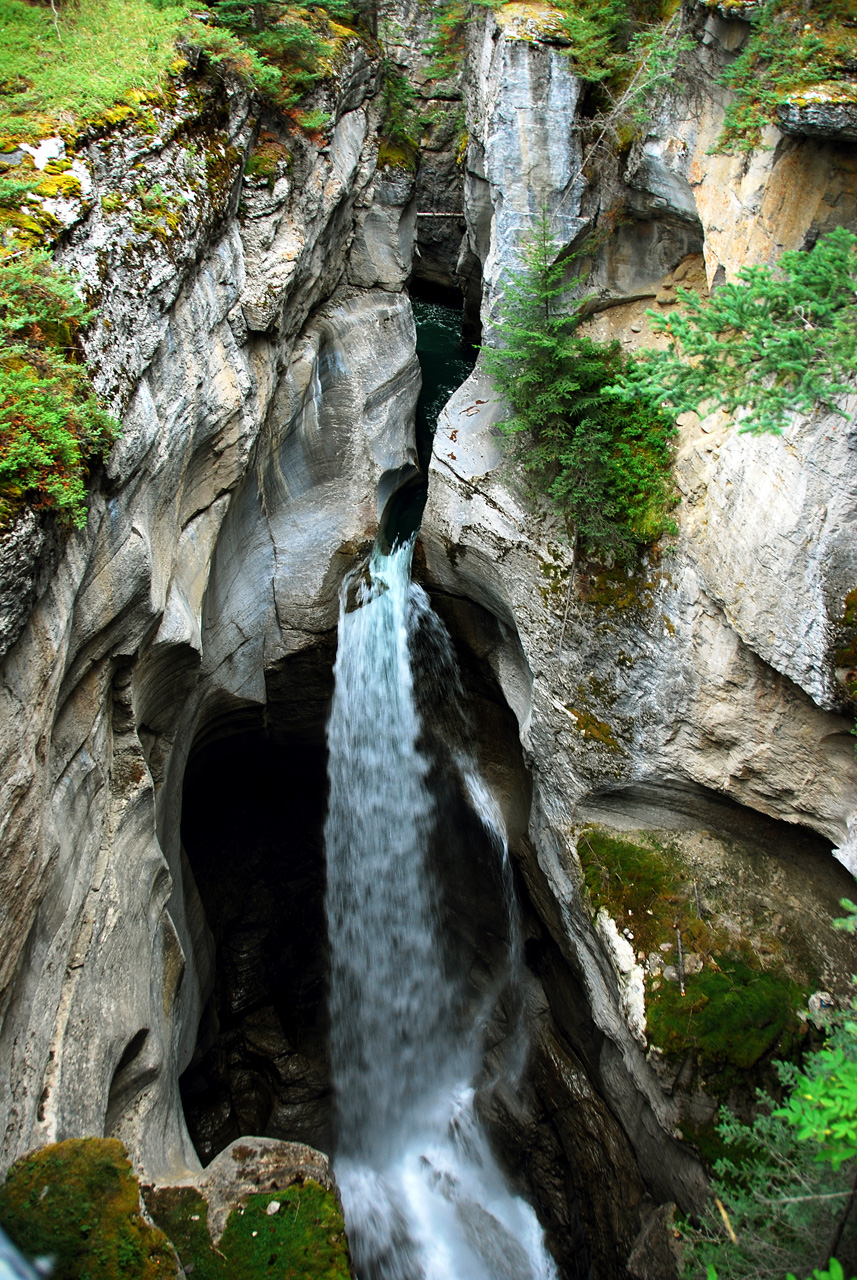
x=253, y=808
x=252, y=822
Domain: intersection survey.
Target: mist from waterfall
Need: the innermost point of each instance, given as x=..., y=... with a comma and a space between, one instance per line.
x=423, y=1196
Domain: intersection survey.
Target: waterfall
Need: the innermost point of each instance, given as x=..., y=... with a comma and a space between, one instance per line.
x=423, y=1197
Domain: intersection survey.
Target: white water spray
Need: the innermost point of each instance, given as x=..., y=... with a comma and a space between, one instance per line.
x=424, y=1199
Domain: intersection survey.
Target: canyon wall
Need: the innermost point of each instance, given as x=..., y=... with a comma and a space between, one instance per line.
x=260, y=350
x=217, y=536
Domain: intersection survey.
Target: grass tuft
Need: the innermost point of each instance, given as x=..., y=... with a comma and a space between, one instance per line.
x=100, y=53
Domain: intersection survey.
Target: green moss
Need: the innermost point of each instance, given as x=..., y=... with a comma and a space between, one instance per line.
x=616, y=588
x=556, y=576
x=849, y=610
x=396, y=155
x=113, y=203
x=305, y=1239
x=736, y=1011
x=79, y=1202
x=731, y=1015
x=632, y=882
x=268, y=155
x=593, y=729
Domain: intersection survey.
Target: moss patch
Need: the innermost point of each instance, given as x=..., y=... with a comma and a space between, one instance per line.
x=304, y=1239
x=79, y=1201
x=268, y=157
x=398, y=155
x=594, y=730
x=733, y=1014
x=740, y=1005
x=619, y=588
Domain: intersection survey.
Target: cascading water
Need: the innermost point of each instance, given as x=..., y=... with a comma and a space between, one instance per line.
x=424, y=1198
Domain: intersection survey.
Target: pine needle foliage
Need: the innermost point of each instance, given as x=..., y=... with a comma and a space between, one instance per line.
x=52, y=425
x=780, y=340
x=604, y=464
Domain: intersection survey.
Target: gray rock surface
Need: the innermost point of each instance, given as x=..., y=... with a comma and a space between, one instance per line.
x=822, y=111
x=204, y=558
x=523, y=152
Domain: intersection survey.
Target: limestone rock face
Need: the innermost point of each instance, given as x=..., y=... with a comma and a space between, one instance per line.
x=715, y=665
x=822, y=111
x=523, y=152
x=204, y=559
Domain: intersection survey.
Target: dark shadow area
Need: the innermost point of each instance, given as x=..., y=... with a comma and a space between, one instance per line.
x=252, y=826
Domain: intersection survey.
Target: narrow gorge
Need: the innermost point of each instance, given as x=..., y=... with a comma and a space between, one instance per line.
x=358, y=826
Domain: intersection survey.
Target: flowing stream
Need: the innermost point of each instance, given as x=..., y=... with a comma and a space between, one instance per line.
x=424, y=1198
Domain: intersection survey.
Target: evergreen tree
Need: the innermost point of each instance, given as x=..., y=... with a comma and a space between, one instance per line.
x=605, y=464
x=779, y=341
x=51, y=422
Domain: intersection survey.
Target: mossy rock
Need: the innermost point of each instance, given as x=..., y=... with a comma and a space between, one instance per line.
x=741, y=1008
x=732, y=1016
x=398, y=155
x=79, y=1202
x=303, y=1239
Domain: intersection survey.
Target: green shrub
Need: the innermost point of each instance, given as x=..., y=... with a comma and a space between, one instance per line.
x=603, y=462
x=781, y=1204
x=783, y=1196
x=51, y=423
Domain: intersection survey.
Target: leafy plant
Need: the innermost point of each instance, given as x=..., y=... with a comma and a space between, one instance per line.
x=787, y=1189
x=51, y=423
x=604, y=464
x=227, y=52
x=631, y=78
x=313, y=120
x=781, y=1205
x=781, y=340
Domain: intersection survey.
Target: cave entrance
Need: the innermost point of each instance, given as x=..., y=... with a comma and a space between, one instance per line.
x=253, y=811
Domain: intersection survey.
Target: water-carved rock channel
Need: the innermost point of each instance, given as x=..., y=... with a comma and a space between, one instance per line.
x=384, y=1070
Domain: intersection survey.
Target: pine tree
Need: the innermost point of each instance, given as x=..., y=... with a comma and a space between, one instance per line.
x=605, y=464
x=778, y=341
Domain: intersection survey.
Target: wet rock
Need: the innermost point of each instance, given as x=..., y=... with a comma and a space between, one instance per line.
x=656, y=1254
